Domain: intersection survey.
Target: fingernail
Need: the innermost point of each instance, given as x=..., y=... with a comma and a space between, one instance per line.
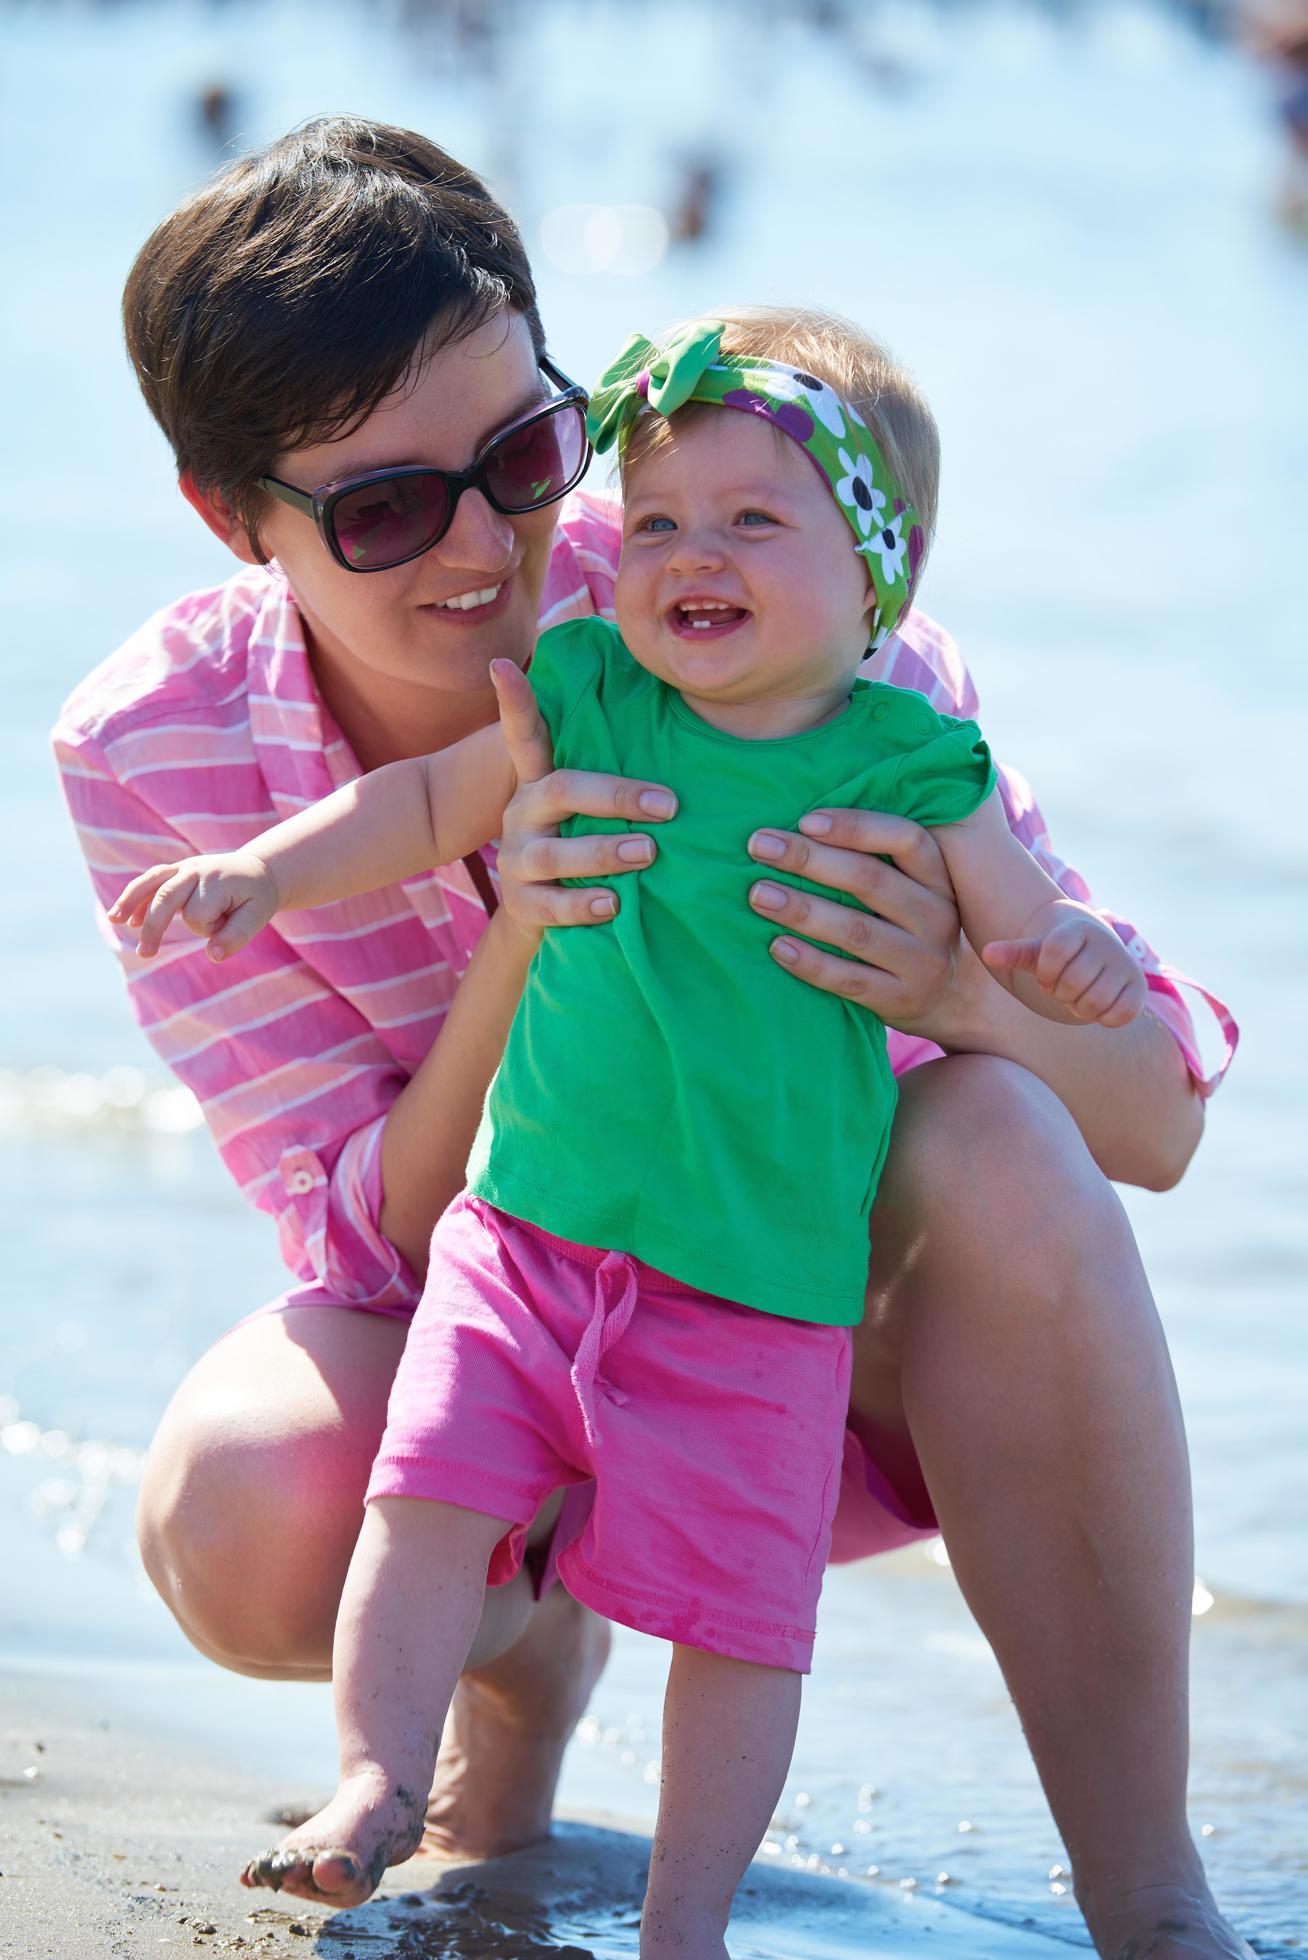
x=657, y=803
x=815, y=825
x=602, y=907
x=785, y=950
x=635, y=850
x=765, y=845
x=771, y=897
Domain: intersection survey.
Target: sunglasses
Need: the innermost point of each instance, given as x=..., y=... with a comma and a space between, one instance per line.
x=373, y=522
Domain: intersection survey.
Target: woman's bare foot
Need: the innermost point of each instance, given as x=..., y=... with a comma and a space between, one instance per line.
x=507, y=1730
x=338, y=1856
x=1166, y=1922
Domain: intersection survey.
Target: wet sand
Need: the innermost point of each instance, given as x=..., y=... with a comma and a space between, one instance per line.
x=122, y=1833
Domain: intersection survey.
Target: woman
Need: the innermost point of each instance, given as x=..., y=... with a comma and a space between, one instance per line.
x=322, y=321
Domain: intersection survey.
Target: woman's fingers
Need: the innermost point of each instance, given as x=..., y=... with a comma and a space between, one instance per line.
x=905, y=891
x=876, y=988
x=525, y=734
x=873, y=940
x=543, y=859
x=868, y=832
x=902, y=935
x=586, y=793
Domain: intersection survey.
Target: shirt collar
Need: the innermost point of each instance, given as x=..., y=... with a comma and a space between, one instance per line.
x=302, y=754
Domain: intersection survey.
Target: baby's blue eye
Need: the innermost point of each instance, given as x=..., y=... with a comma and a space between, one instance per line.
x=756, y=517
x=658, y=524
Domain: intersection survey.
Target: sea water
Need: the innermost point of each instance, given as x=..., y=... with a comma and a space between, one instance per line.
x=1062, y=219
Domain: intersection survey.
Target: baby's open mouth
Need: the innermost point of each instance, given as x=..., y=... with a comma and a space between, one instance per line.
x=706, y=616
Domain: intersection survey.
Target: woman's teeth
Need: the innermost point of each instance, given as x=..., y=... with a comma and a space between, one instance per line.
x=465, y=601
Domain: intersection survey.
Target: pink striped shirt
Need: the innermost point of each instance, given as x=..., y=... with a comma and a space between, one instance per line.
x=206, y=727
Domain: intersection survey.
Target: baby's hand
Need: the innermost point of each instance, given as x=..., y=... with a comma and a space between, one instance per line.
x=1081, y=963
x=225, y=899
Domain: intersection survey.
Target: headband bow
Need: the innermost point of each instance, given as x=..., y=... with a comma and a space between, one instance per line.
x=690, y=366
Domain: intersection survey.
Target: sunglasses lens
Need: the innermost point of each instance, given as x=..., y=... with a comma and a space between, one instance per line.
x=533, y=465
x=383, y=523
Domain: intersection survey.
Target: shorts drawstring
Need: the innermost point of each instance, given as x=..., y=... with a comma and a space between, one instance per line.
x=615, y=1302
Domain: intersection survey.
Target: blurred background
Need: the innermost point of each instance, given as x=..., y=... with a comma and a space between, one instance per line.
x=1084, y=225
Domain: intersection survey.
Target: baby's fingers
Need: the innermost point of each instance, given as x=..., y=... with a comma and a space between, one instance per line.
x=128, y=909
x=1115, y=1002
x=1012, y=955
x=167, y=901
x=238, y=929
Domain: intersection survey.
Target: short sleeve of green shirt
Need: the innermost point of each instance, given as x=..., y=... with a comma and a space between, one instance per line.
x=565, y=667
x=945, y=771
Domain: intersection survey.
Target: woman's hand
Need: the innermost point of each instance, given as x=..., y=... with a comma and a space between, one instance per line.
x=909, y=962
x=532, y=855
x=225, y=898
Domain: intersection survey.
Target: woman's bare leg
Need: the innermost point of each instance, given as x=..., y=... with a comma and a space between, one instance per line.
x=251, y=1502
x=1012, y=1350
x=407, y=1618
x=728, y=1736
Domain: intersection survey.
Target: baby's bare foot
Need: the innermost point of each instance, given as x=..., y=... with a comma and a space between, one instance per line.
x=338, y=1856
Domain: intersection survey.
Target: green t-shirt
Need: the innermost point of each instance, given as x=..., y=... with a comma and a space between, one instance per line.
x=667, y=1090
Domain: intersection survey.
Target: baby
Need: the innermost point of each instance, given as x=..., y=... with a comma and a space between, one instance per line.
x=651, y=1278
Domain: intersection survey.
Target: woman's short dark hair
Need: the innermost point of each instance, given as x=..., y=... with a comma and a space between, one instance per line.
x=279, y=306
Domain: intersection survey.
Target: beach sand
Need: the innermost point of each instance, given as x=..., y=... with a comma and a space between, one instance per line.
x=122, y=1830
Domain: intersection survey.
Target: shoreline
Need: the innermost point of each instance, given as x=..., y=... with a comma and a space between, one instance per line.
x=124, y=1820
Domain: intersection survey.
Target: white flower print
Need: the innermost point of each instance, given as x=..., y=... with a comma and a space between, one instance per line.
x=891, y=546
x=858, y=492
x=821, y=400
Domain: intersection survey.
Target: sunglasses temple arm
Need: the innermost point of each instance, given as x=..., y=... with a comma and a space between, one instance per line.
x=287, y=494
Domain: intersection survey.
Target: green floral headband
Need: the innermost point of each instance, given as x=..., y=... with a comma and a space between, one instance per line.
x=691, y=367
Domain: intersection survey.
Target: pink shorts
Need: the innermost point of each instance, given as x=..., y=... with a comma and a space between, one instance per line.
x=714, y=1435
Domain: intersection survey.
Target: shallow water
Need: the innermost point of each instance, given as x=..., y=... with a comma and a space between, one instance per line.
x=1065, y=230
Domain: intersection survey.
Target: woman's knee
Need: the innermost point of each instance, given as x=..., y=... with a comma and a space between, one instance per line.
x=983, y=1138
x=247, y=1540
x=988, y=1190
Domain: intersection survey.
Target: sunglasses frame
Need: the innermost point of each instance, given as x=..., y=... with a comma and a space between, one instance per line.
x=321, y=504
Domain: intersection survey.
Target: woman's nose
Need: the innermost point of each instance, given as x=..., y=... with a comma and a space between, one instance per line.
x=480, y=538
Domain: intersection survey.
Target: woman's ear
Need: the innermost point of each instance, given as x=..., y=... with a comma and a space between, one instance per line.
x=221, y=520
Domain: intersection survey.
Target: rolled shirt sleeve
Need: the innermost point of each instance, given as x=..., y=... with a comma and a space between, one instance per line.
x=293, y=1082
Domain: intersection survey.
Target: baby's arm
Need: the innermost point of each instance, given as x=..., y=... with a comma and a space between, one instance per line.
x=395, y=821
x=1057, y=957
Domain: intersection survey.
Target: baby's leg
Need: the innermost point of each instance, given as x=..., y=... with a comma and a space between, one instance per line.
x=408, y=1613
x=728, y=1733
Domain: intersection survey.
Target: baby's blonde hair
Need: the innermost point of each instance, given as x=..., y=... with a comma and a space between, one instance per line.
x=860, y=369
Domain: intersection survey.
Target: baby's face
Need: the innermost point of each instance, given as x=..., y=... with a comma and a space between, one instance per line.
x=739, y=582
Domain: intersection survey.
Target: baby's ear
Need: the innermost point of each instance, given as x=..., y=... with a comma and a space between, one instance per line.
x=872, y=601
